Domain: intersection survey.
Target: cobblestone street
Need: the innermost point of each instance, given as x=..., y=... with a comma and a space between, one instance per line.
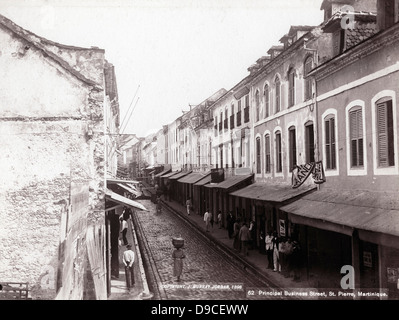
x=203, y=265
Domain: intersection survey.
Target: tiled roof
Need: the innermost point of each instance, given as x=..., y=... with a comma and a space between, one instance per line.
x=362, y=32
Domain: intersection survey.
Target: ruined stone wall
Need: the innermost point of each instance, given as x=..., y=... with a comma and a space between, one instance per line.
x=51, y=133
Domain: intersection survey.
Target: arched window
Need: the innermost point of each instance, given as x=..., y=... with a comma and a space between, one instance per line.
x=356, y=137
x=267, y=100
x=292, y=146
x=267, y=154
x=385, y=133
x=279, y=158
x=258, y=157
x=308, y=81
x=277, y=85
x=309, y=142
x=257, y=105
x=291, y=87
x=232, y=116
x=329, y=143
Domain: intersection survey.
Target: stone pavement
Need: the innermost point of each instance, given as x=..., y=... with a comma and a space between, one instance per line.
x=119, y=290
x=256, y=260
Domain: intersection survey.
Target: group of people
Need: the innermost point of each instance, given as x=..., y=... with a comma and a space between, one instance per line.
x=283, y=255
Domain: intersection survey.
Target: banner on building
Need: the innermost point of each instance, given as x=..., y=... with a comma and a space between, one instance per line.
x=301, y=172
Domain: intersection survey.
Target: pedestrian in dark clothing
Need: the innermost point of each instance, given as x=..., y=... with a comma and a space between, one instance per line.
x=236, y=232
x=245, y=237
x=269, y=250
x=128, y=260
x=211, y=221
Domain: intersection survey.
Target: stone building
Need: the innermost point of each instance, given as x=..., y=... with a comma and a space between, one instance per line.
x=54, y=158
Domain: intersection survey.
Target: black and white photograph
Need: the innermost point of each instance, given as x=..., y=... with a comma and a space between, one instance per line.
x=224, y=151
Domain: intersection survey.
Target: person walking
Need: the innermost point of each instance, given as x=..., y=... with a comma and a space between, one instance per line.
x=189, y=204
x=128, y=261
x=207, y=219
x=275, y=241
x=220, y=219
x=230, y=224
x=178, y=256
x=211, y=220
x=269, y=250
x=245, y=237
x=124, y=228
x=236, y=234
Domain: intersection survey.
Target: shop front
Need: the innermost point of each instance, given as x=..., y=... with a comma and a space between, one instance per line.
x=187, y=183
x=201, y=194
x=222, y=200
x=263, y=201
x=355, y=228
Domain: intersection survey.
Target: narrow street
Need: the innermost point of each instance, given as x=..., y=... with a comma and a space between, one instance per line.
x=204, y=267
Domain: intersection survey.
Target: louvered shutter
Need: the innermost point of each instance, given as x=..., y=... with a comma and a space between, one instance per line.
x=356, y=137
x=382, y=134
x=332, y=134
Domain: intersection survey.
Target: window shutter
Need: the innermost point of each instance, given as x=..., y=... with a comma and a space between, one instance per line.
x=382, y=132
x=333, y=155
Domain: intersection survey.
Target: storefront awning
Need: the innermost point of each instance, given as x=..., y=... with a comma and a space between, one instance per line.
x=179, y=175
x=151, y=172
x=111, y=180
x=204, y=181
x=230, y=182
x=375, y=215
x=168, y=175
x=193, y=177
x=162, y=173
x=130, y=189
x=271, y=192
x=123, y=200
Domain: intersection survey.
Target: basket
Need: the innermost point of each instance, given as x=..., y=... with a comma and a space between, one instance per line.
x=178, y=242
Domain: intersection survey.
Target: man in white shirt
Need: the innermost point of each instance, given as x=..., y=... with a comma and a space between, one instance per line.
x=128, y=260
x=207, y=219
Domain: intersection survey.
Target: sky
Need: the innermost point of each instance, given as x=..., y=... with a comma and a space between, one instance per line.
x=168, y=54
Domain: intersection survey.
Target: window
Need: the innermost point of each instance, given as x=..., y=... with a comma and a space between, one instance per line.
x=329, y=127
x=239, y=113
x=292, y=145
x=309, y=142
x=267, y=153
x=232, y=117
x=267, y=100
x=356, y=137
x=308, y=81
x=257, y=104
x=279, y=160
x=246, y=109
x=226, y=117
x=385, y=133
x=291, y=87
x=278, y=93
x=258, y=160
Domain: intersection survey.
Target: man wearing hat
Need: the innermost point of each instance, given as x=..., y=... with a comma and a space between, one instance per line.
x=128, y=260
